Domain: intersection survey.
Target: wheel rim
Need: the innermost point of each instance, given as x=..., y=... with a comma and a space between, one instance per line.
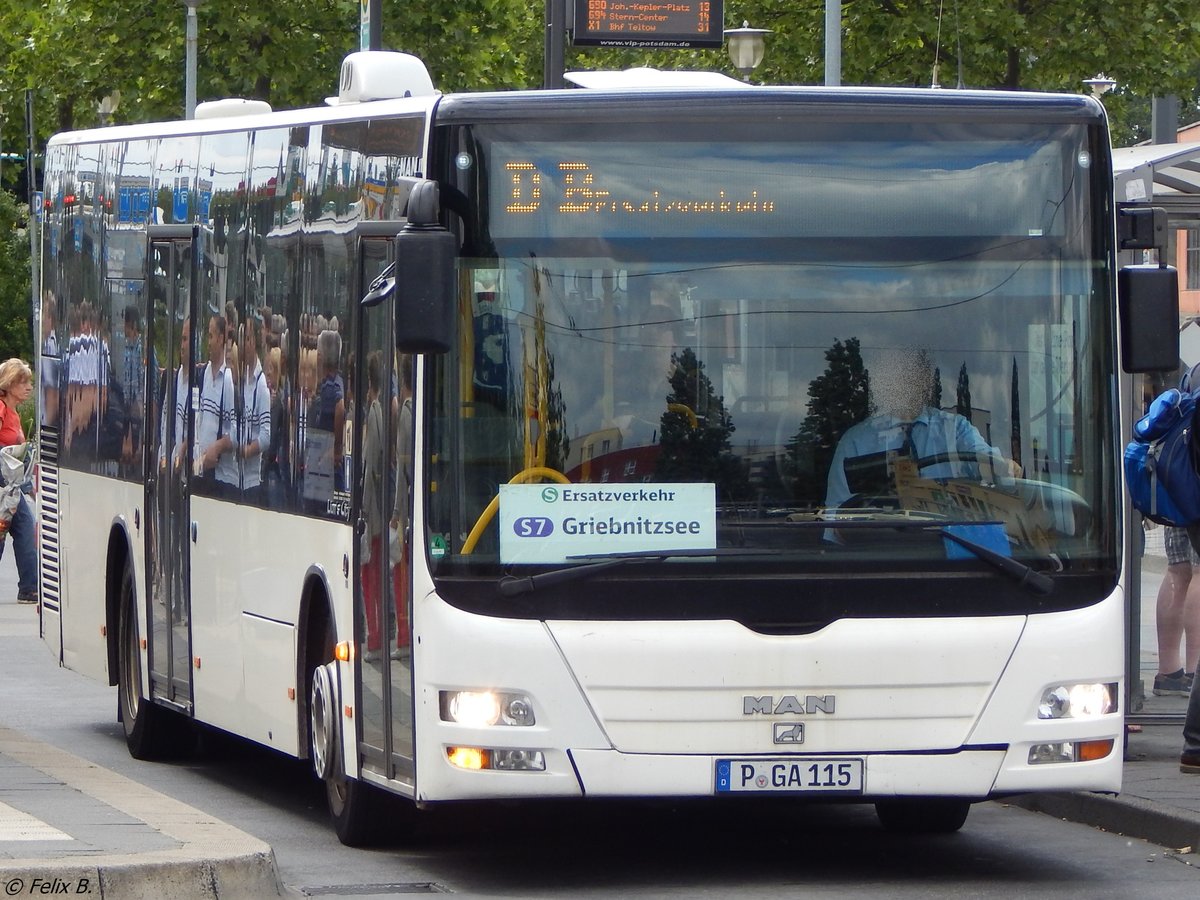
x=132, y=676
x=323, y=721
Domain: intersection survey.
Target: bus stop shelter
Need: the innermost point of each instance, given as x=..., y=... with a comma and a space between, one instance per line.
x=1166, y=176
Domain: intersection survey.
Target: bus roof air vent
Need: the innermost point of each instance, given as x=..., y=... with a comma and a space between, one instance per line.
x=381, y=75
x=232, y=106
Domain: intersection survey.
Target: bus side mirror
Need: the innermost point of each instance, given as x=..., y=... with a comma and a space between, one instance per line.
x=1149, y=309
x=422, y=283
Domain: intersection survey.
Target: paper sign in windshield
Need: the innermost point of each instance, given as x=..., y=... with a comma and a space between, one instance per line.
x=550, y=523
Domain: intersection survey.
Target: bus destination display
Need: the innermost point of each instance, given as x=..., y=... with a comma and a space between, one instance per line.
x=575, y=196
x=649, y=23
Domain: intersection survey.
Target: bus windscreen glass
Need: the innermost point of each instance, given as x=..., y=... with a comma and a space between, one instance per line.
x=856, y=343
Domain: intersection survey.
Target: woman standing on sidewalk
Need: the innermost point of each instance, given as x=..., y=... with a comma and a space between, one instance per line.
x=16, y=386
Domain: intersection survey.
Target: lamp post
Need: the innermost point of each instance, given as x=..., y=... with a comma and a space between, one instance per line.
x=746, y=47
x=1100, y=84
x=107, y=106
x=190, y=75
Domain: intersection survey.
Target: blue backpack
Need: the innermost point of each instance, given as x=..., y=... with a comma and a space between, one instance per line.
x=1162, y=462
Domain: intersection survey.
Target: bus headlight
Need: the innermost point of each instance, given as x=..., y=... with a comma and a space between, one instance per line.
x=1078, y=701
x=479, y=708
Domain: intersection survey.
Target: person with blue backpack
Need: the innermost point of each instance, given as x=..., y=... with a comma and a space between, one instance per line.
x=1177, y=616
x=1162, y=472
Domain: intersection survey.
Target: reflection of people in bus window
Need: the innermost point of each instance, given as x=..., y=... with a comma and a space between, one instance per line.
x=374, y=482
x=51, y=364
x=400, y=509
x=942, y=444
x=215, y=418
x=254, y=427
x=173, y=442
x=133, y=382
x=325, y=423
x=277, y=458
x=83, y=376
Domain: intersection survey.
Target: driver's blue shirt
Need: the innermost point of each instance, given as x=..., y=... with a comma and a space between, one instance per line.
x=933, y=432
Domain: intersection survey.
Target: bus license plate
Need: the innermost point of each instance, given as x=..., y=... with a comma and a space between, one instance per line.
x=797, y=776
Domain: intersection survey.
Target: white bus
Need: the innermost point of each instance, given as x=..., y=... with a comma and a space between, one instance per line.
x=601, y=489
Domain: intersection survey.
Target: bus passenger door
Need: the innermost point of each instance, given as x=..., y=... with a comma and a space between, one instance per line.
x=172, y=267
x=386, y=740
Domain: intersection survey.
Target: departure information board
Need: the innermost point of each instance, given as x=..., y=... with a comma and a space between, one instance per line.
x=649, y=23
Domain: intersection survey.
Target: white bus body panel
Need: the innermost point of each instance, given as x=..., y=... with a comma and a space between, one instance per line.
x=88, y=506
x=934, y=706
x=244, y=601
x=246, y=589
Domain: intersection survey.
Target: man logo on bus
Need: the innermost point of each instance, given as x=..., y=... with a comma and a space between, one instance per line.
x=549, y=495
x=787, y=733
x=790, y=705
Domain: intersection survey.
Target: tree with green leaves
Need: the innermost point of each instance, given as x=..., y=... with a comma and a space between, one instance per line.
x=15, y=337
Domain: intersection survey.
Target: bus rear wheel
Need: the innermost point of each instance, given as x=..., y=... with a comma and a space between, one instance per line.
x=151, y=732
x=923, y=815
x=353, y=804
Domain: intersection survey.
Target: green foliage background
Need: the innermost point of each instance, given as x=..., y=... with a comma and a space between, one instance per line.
x=71, y=53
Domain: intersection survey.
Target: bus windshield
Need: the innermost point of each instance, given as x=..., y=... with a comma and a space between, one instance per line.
x=821, y=348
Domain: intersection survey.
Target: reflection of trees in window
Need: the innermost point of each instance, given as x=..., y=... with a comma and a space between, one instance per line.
x=700, y=451
x=837, y=399
x=558, y=443
x=963, y=402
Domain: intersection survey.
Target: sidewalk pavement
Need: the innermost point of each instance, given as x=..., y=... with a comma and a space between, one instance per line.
x=69, y=826
x=1157, y=803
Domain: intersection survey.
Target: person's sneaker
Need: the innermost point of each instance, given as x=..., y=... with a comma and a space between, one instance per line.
x=1174, y=684
x=27, y=598
x=1189, y=763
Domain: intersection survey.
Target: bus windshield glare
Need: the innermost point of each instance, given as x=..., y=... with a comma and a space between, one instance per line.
x=825, y=344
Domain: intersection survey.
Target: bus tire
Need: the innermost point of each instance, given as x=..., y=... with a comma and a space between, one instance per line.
x=354, y=805
x=151, y=732
x=923, y=815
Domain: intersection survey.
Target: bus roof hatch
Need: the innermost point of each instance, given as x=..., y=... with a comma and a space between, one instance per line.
x=381, y=75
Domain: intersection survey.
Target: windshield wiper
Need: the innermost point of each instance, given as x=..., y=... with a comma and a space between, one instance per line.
x=1025, y=576
x=593, y=563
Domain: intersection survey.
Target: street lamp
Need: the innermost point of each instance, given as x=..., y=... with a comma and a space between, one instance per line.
x=1100, y=84
x=107, y=106
x=190, y=75
x=746, y=47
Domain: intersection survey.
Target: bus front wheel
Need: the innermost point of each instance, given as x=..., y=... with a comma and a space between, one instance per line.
x=353, y=804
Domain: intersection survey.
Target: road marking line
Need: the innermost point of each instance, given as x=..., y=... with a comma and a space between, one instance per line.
x=19, y=826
